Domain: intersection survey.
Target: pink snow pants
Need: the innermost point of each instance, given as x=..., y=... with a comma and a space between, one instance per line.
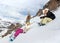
x=18, y=31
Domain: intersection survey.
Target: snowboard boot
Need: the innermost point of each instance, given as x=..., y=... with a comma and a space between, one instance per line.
x=11, y=39
x=40, y=24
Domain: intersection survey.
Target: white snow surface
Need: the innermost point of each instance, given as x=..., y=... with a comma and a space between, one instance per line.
x=50, y=33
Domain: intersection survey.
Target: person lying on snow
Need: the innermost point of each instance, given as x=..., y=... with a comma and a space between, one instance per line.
x=21, y=30
x=48, y=17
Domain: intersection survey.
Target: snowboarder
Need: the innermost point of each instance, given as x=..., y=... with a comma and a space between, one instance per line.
x=48, y=16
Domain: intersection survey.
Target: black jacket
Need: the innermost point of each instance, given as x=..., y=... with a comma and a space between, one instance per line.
x=49, y=15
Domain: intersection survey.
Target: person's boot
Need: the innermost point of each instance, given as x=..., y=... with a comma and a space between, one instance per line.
x=41, y=24
x=11, y=39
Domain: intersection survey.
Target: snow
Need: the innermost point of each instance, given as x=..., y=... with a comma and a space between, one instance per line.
x=50, y=33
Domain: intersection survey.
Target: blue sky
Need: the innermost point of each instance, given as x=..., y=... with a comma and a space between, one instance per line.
x=18, y=8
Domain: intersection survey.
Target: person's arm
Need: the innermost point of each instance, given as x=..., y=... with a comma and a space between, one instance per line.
x=43, y=17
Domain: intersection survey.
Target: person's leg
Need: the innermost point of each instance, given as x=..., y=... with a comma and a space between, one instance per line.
x=15, y=34
x=42, y=22
x=46, y=20
x=18, y=31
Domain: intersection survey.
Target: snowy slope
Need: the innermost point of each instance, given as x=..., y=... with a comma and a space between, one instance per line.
x=49, y=33
x=44, y=34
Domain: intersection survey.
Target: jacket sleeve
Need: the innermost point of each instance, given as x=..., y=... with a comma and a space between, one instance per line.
x=42, y=17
